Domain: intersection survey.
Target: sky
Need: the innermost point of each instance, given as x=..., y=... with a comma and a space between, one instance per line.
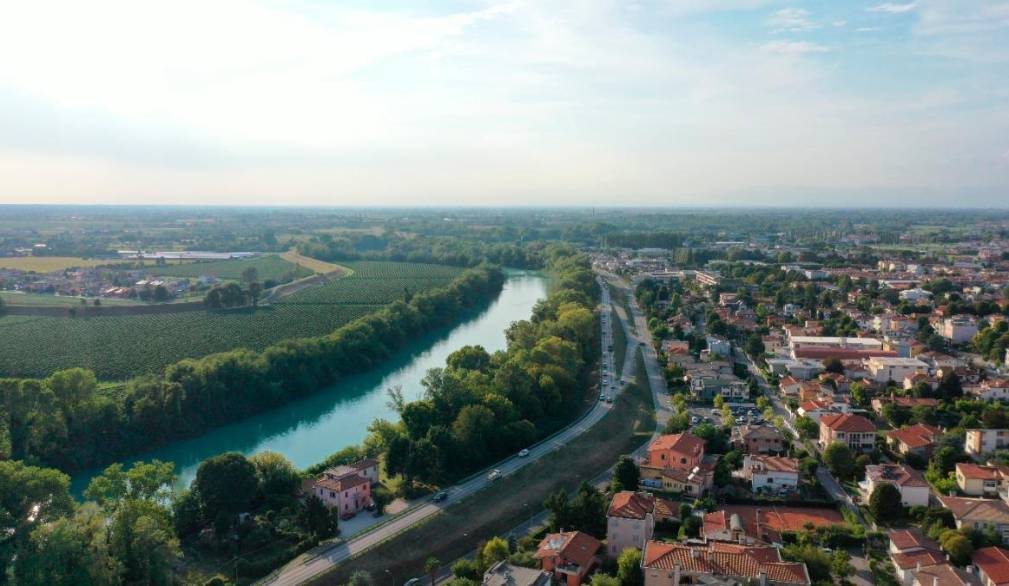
x=498, y=103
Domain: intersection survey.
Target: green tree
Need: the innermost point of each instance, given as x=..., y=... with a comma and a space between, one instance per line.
x=495, y=550
x=69, y=551
x=808, y=428
x=361, y=578
x=839, y=460
x=225, y=483
x=840, y=564
x=629, y=567
x=601, y=579
x=143, y=540
x=958, y=546
x=431, y=566
x=626, y=475
x=275, y=474
x=885, y=503
x=316, y=519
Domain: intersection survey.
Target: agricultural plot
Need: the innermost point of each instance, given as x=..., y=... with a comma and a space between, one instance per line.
x=375, y=283
x=119, y=347
x=48, y=264
x=40, y=300
x=269, y=267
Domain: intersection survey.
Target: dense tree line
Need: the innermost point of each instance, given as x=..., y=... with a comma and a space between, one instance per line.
x=480, y=407
x=68, y=422
x=464, y=252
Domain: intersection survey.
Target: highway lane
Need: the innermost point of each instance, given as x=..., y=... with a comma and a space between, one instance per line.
x=307, y=567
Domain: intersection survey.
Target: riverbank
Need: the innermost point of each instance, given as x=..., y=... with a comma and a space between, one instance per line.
x=452, y=533
x=309, y=429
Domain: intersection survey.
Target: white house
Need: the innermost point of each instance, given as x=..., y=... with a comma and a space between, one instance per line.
x=630, y=521
x=887, y=368
x=959, y=329
x=914, y=490
x=916, y=295
x=983, y=441
x=771, y=474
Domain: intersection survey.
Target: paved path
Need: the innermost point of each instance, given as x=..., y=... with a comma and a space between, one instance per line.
x=324, y=558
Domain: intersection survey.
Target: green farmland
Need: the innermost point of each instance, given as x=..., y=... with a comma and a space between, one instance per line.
x=270, y=267
x=118, y=347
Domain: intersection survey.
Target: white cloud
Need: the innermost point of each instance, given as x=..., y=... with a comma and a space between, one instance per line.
x=792, y=20
x=868, y=29
x=793, y=47
x=893, y=8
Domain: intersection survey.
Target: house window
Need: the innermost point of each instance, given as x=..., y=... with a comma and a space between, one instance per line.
x=683, y=460
x=770, y=480
x=332, y=495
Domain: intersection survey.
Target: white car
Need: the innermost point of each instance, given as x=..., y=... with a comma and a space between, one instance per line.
x=523, y=453
x=495, y=474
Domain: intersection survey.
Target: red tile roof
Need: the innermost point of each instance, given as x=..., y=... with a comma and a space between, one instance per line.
x=916, y=436
x=775, y=463
x=341, y=484
x=767, y=523
x=848, y=423
x=905, y=539
x=631, y=505
x=911, y=559
x=724, y=560
x=898, y=474
x=978, y=472
x=571, y=546
x=683, y=443
x=994, y=562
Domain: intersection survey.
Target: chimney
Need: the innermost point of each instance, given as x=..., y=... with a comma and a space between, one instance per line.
x=935, y=580
x=762, y=577
x=917, y=567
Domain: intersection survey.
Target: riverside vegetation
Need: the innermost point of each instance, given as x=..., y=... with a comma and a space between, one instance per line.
x=134, y=528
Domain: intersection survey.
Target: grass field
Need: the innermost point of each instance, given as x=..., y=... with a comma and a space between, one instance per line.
x=457, y=530
x=619, y=342
x=48, y=264
x=269, y=267
x=40, y=300
x=118, y=347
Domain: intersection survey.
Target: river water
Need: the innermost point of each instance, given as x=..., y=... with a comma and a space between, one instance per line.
x=308, y=430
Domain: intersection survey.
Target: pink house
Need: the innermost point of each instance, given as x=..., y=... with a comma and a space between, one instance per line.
x=347, y=488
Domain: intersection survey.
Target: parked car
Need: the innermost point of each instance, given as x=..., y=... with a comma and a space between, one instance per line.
x=523, y=453
x=602, y=397
x=495, y=474
x=439, y=496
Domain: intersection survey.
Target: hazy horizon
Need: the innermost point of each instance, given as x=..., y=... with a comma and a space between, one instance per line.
x=700, y=104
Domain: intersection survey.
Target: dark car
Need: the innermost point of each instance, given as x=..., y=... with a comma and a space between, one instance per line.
x=439, y=496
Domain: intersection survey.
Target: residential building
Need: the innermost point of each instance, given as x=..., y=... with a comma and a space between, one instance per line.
x=992, y=565
x=506, y=574
x=718, y=345
x=915, y=439
x=943, y=575
x=758, y=439
x=771, y=474
x=959, y=329
x=673, y=564
x=682, y=451
x=856, y=431
x=630, y=521
x=903, y=402
x=887, y=368
x=979, y=513
x=916, y=296
x=991, y=390
x=914, y=490
x=751, y=524
x=983, y=441
x=570, y=556
x=345, y=488
x=978, y=480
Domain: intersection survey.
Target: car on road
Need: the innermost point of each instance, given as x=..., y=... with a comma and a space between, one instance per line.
x=609, y=399
x=412, y=582
x=439, y=496
x=495, y=474
x=694, y=420
x=523, y=453
x=602, y=397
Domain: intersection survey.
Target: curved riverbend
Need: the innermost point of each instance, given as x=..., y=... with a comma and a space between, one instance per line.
x=308, y=430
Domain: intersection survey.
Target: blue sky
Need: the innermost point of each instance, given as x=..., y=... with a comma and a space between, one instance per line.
x=567, y=102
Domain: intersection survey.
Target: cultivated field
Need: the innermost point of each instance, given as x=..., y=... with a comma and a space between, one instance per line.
x=319, y=266
x=118, y=347
x=269, y=267
x=41, y=300
x=47, y=264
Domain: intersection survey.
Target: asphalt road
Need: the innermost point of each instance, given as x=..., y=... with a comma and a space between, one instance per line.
x=308, y=566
